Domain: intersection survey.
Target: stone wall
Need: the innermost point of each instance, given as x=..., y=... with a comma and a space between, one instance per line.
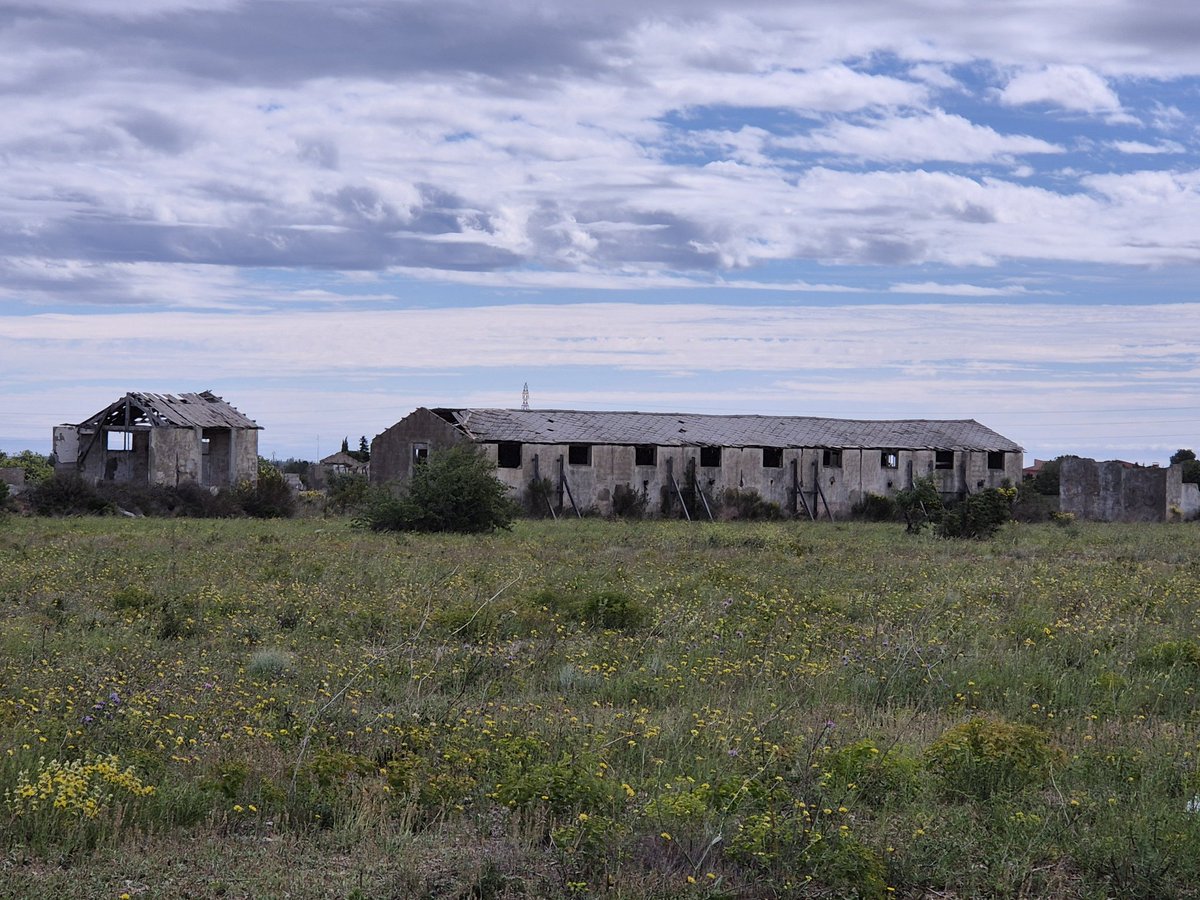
x=1113, y=491
x=393, y=450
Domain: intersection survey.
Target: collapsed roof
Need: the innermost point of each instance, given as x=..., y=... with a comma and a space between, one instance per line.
x=203, y=410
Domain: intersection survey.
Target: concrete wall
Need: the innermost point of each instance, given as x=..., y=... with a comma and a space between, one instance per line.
x=162, y=456
x=65, y=447
x=1183, y=499
x=1112, y=492
x=861, y=472
x=244, y=456
x=393, y=450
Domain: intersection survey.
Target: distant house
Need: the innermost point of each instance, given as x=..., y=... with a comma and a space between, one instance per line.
x=333, y=466
x=342, y=463
x=162, y=439
x=680, y=462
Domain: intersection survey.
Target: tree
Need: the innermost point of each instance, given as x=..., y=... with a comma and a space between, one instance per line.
x=364, y=449
x=37, y=468
x=1191, y=466
x=1047, y=480
x=455, y=490
x=346, y=444
x=921, y=504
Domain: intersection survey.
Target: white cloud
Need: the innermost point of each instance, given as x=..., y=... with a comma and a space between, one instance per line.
x=358, y=374
x=1070, y=87
x=934, y=136
x=932, y=288
x=1141, y=147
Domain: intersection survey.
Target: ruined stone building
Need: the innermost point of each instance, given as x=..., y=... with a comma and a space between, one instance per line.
x=162, y=439
x=1116, y=491
x=682, y=462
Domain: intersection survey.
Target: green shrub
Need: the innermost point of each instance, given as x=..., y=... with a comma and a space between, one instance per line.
x=920, y=505
x=539, y=497
x=875, y=508
x=748, y=505
x=66, y=494
x=454, y=490
x=347, y=492
x=628, y=503
x=37, y=468
x=1170, y=655
x=268, y=498
x=602, y=609
x=133, y=596
x=983, y=757
x=874, y=775
x=273, y=661
x=979, y=516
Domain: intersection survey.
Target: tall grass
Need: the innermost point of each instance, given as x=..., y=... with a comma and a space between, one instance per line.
x=631, y=708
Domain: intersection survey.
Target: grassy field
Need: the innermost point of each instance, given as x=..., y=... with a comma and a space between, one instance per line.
x=295, y=708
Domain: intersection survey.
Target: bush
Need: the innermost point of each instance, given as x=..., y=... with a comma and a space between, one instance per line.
x=602, y=609
x=347, y=492
x=1169, y=655
x=979, y=515
x=539, y=497
x=37, y=468
x=270, y=497
x=983, y=757
x=188, y=499
x=920, y=504
x=748, y=505
x=875, y=508
x=66, y=494
x=628, y=503
x=454, y=490
x=1047, y=480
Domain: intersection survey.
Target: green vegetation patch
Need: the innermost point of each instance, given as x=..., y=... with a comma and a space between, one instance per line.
x=589, y=708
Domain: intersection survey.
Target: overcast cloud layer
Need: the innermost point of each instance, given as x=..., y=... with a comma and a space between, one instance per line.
x=290, y=192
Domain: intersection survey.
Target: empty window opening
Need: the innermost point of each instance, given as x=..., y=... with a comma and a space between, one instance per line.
x=579, y=454
x=118, y=440
x=645, y=455
x=421, y=454
x=943, y=459
x=831, y=458
x=205, y=445
x=508, y=455
x=710, y=456
x=889, y=459
x=995, y=459
x=772, y=457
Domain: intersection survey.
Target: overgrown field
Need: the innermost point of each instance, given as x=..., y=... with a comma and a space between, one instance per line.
x=295, y=708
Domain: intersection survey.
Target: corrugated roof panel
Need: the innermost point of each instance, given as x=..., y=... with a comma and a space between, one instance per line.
x=203, y=410
x=550, y=426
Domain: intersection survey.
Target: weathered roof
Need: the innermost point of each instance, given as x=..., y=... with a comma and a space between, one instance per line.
x=563, y=426
x=342, y=458
x=204, y=410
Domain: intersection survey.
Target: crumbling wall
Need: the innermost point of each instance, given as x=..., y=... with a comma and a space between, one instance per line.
x=1114, y=492
x=244, y=456
x=393, y=450
x=1183, y=499
x=175, y=456
x=65, y=447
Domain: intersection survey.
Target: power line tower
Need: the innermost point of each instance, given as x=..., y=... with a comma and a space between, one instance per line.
x=525, y=396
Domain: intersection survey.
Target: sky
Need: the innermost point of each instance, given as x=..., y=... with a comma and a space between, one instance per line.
x=331, y=214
